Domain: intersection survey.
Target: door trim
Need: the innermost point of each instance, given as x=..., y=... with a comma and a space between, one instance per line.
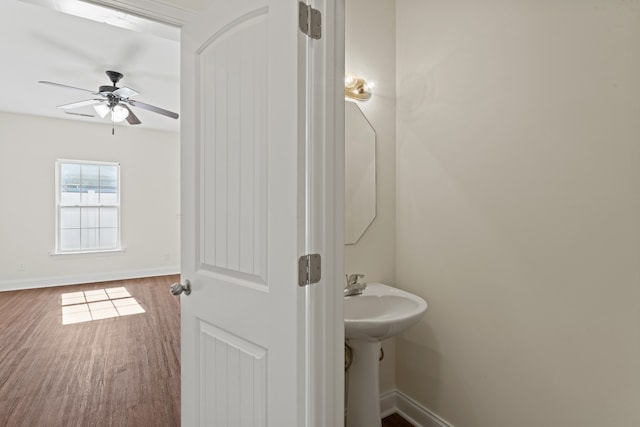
x=326, y=207
x=150, y=9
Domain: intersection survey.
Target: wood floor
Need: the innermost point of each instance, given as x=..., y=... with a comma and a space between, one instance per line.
x=395, y=420
x=122, y=371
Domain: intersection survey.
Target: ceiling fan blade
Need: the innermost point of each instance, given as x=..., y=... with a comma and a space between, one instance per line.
x=131, y=118
x=153, y=108
x=67, y=86
x=79, y=114
x=81, y=104
x=125, y=92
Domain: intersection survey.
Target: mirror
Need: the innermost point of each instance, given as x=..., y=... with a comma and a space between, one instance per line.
x=360, y=173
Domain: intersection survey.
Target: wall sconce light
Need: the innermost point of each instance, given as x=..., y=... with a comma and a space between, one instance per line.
x=356, y=87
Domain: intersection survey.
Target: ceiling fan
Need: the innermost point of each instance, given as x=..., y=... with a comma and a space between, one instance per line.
x=113, y=100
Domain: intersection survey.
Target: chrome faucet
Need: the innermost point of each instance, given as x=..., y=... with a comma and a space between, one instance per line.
x=353, y=286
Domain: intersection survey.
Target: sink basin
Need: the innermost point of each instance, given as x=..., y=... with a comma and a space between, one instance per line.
x=381, y=312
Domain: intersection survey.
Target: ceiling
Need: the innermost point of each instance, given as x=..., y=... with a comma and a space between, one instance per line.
x=37, y=43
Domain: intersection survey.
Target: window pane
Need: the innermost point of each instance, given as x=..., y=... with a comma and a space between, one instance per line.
x=70, y=240
x=89, y=218
x=69, y=218
x=108, y=238
x=108, y=184
x=109, y=198
x=69, y=176
x=108, y=217
x=90, y=184
x=89, y=238
x=69, y=183
x=70, y=198
x=90, y=197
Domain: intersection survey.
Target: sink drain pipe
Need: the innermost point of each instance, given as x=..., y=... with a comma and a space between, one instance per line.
x=348, y=360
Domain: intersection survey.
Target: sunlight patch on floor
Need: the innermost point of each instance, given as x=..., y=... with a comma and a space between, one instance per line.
x=98, y=304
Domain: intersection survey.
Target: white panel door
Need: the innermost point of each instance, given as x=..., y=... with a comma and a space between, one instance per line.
x=244, y=180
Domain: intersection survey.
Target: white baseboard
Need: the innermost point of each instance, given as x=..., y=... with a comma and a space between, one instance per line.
x=45, y=282
x=388, y=403
x=395, y=401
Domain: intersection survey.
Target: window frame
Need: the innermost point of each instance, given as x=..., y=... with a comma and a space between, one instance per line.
x=59, y=206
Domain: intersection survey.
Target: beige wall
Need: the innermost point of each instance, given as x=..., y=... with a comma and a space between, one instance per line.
x=518, y=194
x=370, y=52
x=150, y=179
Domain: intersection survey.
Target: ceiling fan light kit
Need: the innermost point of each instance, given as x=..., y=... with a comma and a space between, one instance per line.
x=102, y=110
x=113, y=100
x=119, y=113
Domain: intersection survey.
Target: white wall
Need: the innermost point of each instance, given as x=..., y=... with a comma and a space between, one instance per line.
x=150, y=180
x=518, y=194
x=370, y=52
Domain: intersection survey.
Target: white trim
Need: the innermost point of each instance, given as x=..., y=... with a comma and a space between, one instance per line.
x=324, y=164
x=388, y=403
x=334, y=29
x=395, y=401
x=59, y=206
x=151, y=9
x=46, y=282
x=88, y=162
x=75, y=254
x=112, y=16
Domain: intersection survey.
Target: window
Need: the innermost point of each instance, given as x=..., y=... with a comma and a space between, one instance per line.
x=87, y=206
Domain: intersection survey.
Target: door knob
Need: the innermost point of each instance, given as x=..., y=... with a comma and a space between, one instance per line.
x=178, y=288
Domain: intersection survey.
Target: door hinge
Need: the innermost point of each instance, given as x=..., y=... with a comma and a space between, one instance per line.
x=309, y=269
x=310, y=21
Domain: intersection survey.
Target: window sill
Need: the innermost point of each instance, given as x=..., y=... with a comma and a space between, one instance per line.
x=107, y=252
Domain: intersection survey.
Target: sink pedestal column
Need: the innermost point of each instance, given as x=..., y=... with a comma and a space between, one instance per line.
x=363, y=404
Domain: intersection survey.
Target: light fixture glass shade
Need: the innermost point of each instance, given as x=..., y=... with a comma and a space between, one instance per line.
x=102, y=110
x=119, y=113
x=356, y=87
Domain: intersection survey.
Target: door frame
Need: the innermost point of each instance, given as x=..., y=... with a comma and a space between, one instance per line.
x=325, y=405
x=327, y=204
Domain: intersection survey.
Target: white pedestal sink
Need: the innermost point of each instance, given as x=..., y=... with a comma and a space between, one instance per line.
x=379, y=313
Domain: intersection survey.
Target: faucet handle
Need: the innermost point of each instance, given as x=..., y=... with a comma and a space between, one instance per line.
x=352, y=279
